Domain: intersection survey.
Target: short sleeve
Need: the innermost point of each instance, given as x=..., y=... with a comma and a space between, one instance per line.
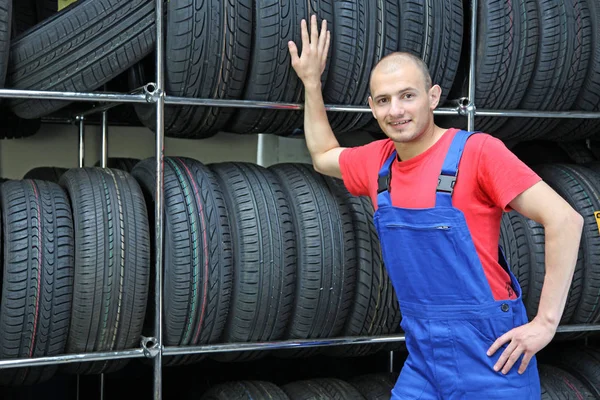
x=502, y=176
x=359, y=166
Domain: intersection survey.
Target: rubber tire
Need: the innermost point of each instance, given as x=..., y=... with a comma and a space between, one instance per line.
x=320, y=227
x=375, y=309
x=578, y=152
x=588, y=98
x=375, y=386
x=353, y=52
x=245, y=390
x=37, y=284
x=558, y=384
x=270, y=76
x=580, y=187
x=49, y=174
x=6, y=21
x=198, y=254
x=331, y=389
x=78, y=50
x=111, y=231
x=264, y=249
x=208, y=48
x=24, y=16
x=560, y=69
x=583, y=363
x=124, y=164
x=507, y=44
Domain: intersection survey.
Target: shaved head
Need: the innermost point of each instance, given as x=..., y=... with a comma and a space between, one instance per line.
x=393, y=61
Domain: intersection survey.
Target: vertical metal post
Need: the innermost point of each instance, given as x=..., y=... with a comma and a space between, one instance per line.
x=81, y=141
x=77, y=386
x=104, y=159
x=160, y=136
x=102, y=382
x=471, y=106
x=391, y=370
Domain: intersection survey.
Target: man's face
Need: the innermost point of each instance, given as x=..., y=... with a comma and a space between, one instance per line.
x=401, y=103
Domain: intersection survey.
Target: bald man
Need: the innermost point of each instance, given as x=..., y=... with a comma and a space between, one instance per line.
x=467, y=331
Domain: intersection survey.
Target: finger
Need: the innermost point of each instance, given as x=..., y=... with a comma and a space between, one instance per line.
x=314, y=32
x=323, y=36
x=504, y=356
x=326, y=50
x=501, y=341
x=293, y=52
x=514, y=357
x=305, y=39
x=525, y=363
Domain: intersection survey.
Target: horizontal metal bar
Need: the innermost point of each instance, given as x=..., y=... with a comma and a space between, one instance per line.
x=73, y=96
x=578, y=328
x=71, y=358
x=536, y=114
x=278, y=345
x=108, y=106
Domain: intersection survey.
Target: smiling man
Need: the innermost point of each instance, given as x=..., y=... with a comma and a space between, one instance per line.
x=466, y=328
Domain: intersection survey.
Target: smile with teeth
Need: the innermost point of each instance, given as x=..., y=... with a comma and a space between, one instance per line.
x=402, y=122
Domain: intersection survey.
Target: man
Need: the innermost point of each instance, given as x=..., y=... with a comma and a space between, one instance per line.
x=465, y=323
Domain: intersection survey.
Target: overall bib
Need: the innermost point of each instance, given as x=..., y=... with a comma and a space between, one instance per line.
x=448, y=311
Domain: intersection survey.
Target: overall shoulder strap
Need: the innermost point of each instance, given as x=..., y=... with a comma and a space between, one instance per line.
x=447, y=178
x=383, y=181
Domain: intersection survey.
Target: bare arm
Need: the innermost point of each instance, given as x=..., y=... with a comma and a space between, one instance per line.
x=563, y=228
x=320, y=140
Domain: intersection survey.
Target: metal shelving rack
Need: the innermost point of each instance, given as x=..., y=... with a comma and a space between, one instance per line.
x=154, y=92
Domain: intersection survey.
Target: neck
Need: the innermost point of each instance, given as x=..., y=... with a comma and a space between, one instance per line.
x=428, y=138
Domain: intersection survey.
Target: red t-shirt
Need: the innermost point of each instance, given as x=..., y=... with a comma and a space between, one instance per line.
x=490, y=177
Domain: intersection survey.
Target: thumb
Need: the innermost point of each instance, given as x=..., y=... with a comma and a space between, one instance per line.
x=293, y=52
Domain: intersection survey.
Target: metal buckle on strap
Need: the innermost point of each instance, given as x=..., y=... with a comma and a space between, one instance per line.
x=446, y=183
x=383, y=183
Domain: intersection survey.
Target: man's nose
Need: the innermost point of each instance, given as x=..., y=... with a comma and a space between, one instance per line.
x=397, y=107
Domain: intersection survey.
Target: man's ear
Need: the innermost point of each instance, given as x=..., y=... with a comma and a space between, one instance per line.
x=435, y=93
x=371, y=105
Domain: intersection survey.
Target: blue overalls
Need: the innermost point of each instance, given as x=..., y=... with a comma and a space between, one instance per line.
x=449, y=314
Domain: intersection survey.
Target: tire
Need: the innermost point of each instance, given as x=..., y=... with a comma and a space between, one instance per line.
x=14, y=127
x=98, y=40
x=24, y=16
x=331, y=389
x=374, y=386
x=588, y=98
x=264, y=254
x=580, y=187
x=124, y=164
x=353, y=52
x=208, y=47
x=112, y=264
x=198, y=254
x=564, y=51
x=319, y=227
x=578, y=152
x=583, y=363
x=49, y=174
x=507, y=44
x=375, y=310
x=558, y=384
x=37, y=284
x=245, y=390
x=6, y=21
x=270, y=76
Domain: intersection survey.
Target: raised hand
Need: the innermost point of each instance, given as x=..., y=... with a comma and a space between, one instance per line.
x=309, y=66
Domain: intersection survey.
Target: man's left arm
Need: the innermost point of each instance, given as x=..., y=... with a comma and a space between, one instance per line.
x=563, y=228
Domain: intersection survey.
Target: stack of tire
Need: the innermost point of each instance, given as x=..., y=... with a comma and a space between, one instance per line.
x=535, y=55
x=251, y=61
x=523, y=241
x=257, y=254
x=573, y=373
x=75, y=270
